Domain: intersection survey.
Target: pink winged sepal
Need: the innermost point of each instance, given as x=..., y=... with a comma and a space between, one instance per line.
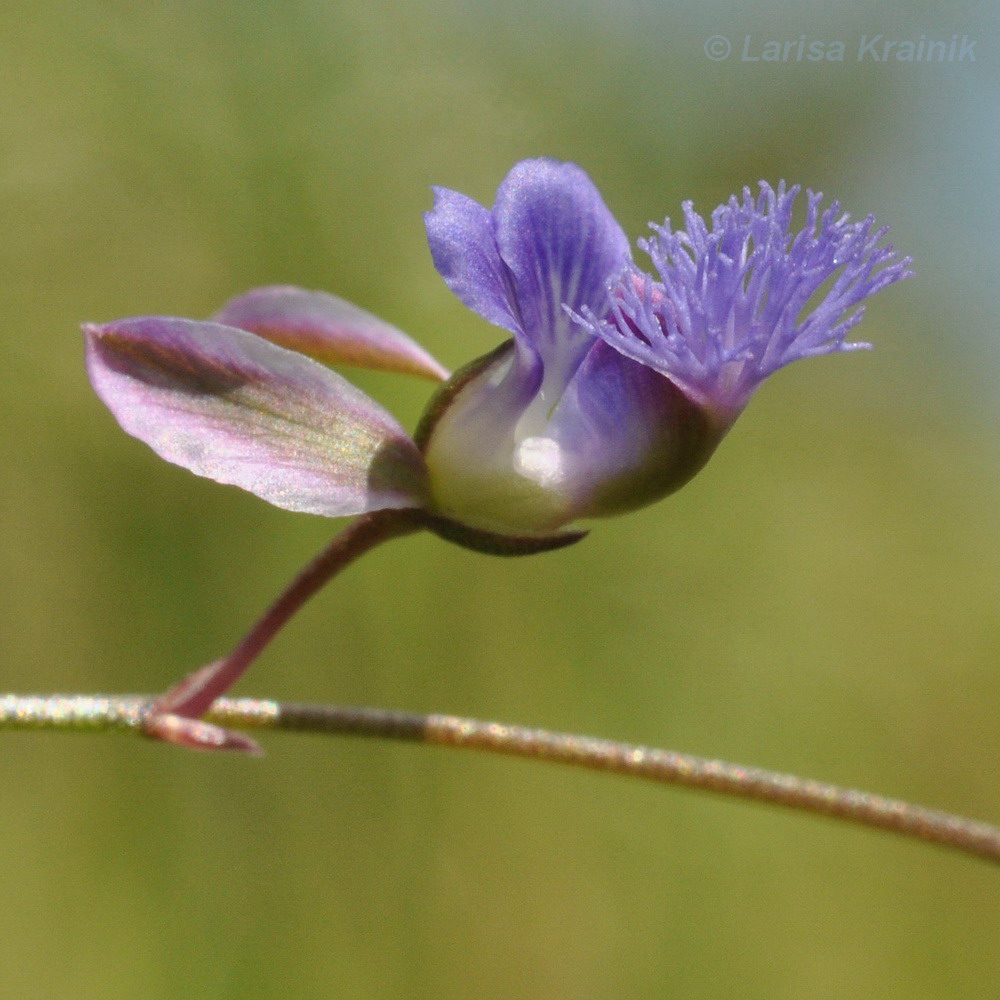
x=231, y=406
x=328, y=329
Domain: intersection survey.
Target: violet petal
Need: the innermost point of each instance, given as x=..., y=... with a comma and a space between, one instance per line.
x=562, y=247
x=460, y=234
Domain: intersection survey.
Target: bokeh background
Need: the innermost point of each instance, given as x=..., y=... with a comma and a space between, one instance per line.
x=822, y=599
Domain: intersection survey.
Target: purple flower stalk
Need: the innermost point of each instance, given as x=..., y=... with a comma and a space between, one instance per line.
x=614, y=389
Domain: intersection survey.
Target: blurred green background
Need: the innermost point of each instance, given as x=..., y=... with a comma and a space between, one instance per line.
x=822, y=599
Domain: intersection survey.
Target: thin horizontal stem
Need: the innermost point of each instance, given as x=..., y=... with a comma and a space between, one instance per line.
x=102, y=713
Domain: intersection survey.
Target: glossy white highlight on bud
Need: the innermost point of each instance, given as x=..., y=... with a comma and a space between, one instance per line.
x=540, y=459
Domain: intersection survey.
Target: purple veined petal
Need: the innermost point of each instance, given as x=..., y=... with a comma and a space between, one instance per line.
x=231, y=406
x=460, y=234
x=562, y=246
x=328, y=329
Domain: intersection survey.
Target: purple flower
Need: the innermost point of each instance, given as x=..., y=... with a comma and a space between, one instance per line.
x=614, y=390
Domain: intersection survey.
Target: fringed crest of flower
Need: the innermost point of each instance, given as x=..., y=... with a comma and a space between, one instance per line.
x=733, y=303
